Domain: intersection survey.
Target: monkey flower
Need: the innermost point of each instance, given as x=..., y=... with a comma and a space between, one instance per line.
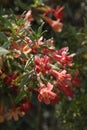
x=25, y=106
x=61, y=76
x=76, y=81
x=45, y=93
x=18, y=49
x=10, y=79
x=67, y=90
x=41, y=64
x=58, y=13
x=55, y=24
x=63, y=57
x=14, y=113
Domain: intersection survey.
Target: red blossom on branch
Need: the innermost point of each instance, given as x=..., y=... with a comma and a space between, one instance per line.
x=25, y=106
x=9, y=79
x=58, y=12
x=41, y=64
x=34, y=66
x=63, y=57
x=76, y=80
x=56, y=24
x=45, y=93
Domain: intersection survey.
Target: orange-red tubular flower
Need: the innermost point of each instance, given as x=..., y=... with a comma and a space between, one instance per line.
x=20, y=48
x=55, y=24
x=58, y=13
x=76, y=81
x=14, y=113
x=46, y=94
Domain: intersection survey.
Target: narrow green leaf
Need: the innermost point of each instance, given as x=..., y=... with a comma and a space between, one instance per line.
x=25, y=80
x=40, y=28
x=20, y=96
x=3, y=51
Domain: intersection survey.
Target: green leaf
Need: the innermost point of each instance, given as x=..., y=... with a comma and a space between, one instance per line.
x=6, y=44
x=3, y=37
x=40, y=28
x=3, y=51
x=25, y=80
x=38, y=33
x=20, y=96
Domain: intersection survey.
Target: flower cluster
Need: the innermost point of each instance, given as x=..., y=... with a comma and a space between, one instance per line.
x=31, y=65
x=57, y=14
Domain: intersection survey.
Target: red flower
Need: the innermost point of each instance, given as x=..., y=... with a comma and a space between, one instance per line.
x=50, y=51
x=9, y=79
x=61, y=76
x=37, y=45
x=14, y=113
x=27, y=16
x=41, y=64
x=76, y=79
x=65, y=89
x=18, y=49
x=25, y=106
x=46, y=95
x=58, y=13
x=63, y=58
x=55, y=24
